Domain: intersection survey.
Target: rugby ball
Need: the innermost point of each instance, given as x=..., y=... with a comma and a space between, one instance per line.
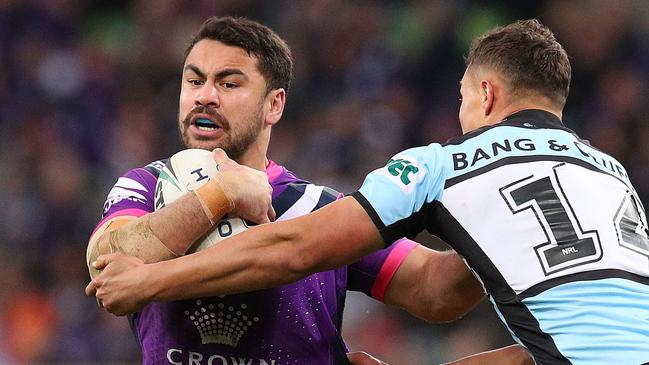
x=184, y=172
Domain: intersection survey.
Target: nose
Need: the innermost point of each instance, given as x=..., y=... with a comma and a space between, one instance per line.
x=207, y=96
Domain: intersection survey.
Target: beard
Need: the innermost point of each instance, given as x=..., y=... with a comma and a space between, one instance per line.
x=235, y=142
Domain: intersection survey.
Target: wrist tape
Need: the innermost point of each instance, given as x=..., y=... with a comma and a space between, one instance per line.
x=214, y=201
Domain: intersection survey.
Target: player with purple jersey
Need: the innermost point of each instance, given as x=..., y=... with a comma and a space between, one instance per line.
x=235, y=80
x=297, y=323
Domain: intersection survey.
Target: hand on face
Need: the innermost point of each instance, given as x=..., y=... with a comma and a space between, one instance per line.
x=120, y=286
x=363, y=358
x=246, y=187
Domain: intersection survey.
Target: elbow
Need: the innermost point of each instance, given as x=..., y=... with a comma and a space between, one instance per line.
x=98, y=246
x=451, y=306
x=300, y=264
x=437, y=314
x=460, y=293
x=303, y=259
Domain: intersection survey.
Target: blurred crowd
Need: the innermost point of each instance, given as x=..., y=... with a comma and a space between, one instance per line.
x=89, y=89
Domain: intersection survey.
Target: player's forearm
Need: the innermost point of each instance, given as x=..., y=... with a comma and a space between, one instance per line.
x=435, y=286
x=457, y=292
x=234, y=265
x=511, y=355
x=269, y=255
x=160, y=235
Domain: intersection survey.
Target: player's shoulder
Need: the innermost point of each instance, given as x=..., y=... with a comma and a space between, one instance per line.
x=289, y=181
x=294, y=196
x=150, y=170
x=134, y=189
x=156, y=166
x=140, y=179
x=312, y=191
x=416, y=161
x=522, y=122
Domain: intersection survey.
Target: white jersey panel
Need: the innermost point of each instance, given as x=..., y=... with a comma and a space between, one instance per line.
x=518, y=233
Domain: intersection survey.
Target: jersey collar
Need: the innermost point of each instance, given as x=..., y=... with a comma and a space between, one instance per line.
x=534, y=118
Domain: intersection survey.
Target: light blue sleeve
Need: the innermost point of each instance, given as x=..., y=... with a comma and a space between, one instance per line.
x=408, y=181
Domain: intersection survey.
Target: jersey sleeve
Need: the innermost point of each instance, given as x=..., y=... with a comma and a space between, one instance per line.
x=132, y=195
x=373, y=273
x=398, y=195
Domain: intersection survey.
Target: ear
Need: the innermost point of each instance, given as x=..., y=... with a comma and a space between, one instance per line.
x=487, y=93
x=275, y=101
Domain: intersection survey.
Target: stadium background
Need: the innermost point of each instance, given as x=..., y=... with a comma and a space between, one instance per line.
x=88, y=89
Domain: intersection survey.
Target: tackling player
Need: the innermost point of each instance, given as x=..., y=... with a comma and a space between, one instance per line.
x=236, y=76
x=552, y=226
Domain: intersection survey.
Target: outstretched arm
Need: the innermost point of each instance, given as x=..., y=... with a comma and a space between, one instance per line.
x=263, y=256
x=435, y=286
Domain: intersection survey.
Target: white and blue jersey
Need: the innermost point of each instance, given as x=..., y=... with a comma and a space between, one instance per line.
x=551, y=226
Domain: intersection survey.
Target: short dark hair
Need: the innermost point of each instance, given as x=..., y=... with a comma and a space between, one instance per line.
x=527, y=53
x=274, y=55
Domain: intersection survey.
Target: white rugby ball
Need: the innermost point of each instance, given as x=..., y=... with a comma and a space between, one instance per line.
x=184, y=172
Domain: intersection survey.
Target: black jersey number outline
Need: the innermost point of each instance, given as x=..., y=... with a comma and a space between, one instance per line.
x=567, y=245
x=631, y=225
x=224, y=228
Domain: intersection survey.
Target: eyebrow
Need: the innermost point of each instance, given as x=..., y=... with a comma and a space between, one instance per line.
x=219, y=75
x=196, y=70
x=230, y=71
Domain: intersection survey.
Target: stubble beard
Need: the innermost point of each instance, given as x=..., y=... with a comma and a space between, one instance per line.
x=234, y=143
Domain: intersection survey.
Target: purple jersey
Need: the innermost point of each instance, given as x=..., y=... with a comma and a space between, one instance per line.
x=298, y=323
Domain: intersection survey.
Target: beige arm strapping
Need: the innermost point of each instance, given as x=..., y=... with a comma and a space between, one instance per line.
x=163, y=234
x=129, y=235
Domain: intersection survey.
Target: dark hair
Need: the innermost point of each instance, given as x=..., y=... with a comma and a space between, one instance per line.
x=528, y=55
x=272, y=52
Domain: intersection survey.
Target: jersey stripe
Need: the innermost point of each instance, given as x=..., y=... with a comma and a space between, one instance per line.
x=523, y=159
x=328, y=195
x=390, y=266
x=291, y=194
x=609, y=310
x=306, y=203
x=369, y=209
x=583, y=276
x=128, y=183
x=124, y=212
x=516, y=315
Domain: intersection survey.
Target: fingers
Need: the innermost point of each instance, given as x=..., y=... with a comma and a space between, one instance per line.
x=91, y=290
x=247, y=188
x=221, y=157
x=263, y=219
x=100, y=263
x=103, y=260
